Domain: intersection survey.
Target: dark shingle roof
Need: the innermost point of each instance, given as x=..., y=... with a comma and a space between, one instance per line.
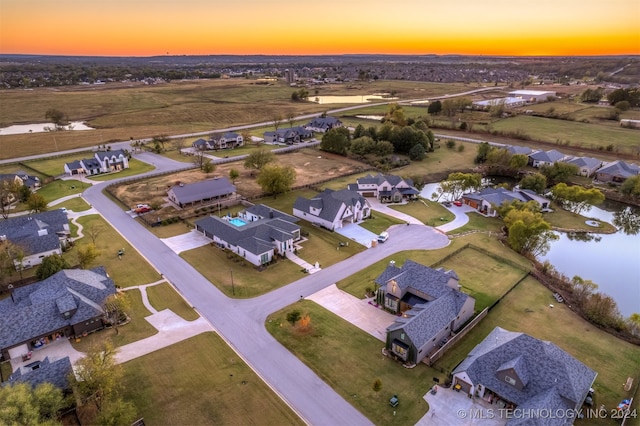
x=547, y=366
x=35, y=310
x=108, y=154
x=255, y=237
x=267, y=212
x=36, y=233
x=620, y=168
x=330, y=202
x=54, y=372
x=418, y=277
x=426, y=320
x=197, y=191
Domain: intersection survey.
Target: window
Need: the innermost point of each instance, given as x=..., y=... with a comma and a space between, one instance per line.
x=510, y=380
x=401, y=336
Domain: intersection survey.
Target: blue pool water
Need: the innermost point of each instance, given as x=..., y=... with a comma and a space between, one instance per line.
x=237, y=222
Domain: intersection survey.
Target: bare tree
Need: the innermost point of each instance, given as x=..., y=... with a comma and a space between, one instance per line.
x=277, y=121
x=93, y=232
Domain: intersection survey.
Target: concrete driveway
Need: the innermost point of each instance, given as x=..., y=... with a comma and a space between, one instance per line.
x=358, y=312
x=357, y=233
x=450, y=408
x=461, y=217
x=188, y=241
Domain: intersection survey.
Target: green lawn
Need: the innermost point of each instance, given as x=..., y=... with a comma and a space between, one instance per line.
x=379, y=222
x=131, y=270
x=564, y=219
x=62, y=188
x=576, y=133
x=201, y=381
x=527, y=309
x=426, y=211
x=136, y=167
x=350, y=366
x=55, y=166
x=477, y=222
x=213, y=263
x=483, y=277
x=323, y=246
x=163, y=296
x=75, y=204
x=357, y=284
x=138, y=328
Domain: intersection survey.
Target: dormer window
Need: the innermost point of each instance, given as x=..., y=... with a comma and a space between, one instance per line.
x=510, y=380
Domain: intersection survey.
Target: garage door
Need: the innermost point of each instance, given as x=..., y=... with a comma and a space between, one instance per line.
x=464, y=386
x=18, y=351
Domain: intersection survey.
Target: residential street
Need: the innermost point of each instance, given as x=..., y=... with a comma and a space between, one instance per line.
x=241, y=322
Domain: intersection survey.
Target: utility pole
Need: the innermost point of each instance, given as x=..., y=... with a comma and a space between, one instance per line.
x=233, y=289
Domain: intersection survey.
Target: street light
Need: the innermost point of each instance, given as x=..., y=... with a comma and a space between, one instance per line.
x=233, y=289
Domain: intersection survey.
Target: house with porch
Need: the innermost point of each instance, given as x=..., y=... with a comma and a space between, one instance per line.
x=617, y=171
x=202, y=145
x=206, y=191
x=514, y=370
x=431, y=308
x=257, y=234
x=36, y=236
x=227, y=140
x=22, y=178
x=488, y=200
x=545, y=158
x=332, y=209
x=101, y=162
x=68, y=303
x=323, y=124
x=386, y=188
x=286, y=136
x=587, y=166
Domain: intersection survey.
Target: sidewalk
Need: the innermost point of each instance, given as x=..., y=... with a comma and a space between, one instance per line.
x=301, y=262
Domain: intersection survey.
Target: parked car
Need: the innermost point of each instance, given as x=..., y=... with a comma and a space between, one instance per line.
x=457, y=203
x=384, y=236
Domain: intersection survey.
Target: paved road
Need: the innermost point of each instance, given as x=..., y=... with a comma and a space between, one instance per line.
x=241, y=322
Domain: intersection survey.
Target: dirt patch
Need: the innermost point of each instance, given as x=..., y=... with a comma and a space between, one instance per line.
x=311, y=167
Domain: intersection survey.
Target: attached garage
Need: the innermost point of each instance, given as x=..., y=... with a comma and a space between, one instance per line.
x=462, y=385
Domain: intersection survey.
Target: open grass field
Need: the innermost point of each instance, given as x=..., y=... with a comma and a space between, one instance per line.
x=201, y=381
x=213, y=263
x=76, y=204
x=310, y=165
x=138, y=328
x=62, y=188
x=427, y=211
x=163, y=296
x=379, y=222
x=357, y=284
x=483, y=277
x=131, y=270
x=120, y=113
x=55, y=166
x=351, y=365
x=526, y=309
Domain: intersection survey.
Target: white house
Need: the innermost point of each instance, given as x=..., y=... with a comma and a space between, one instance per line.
x=533, y=96
x=333, y=209
x=545, y=158
x=101, y=162
x=386, y=188
x=587, y=166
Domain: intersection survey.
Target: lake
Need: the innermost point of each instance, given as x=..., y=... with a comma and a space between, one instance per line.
x=18, y=129
x=351, y=99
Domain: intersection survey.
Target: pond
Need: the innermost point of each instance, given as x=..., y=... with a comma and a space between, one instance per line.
x=352, y=99
x=612, y=261
x=18, y=129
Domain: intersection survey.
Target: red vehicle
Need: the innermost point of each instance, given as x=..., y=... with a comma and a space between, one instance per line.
x=457, y=203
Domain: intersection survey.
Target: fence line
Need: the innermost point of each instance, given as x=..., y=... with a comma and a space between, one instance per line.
x=467, y=328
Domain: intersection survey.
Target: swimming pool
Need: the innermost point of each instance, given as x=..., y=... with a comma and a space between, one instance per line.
x=237, y=222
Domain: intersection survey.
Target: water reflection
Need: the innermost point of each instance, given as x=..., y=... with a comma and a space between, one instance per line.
x=627, y=220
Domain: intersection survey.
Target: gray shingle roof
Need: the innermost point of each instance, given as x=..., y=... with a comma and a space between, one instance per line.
x=34, y=310
x=515, y=149
x=255, y=237
x=546, y=364
x=585, y=162
x=54, y=372
x=550, y=156
x=197, y=191
x=36, y=233
x=620, y=168
x=426, y=320
x=330, y=202
x=418, y=277
x=108, y=154
x=267, y=212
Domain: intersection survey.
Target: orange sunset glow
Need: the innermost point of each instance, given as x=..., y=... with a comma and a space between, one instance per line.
x=295, y=27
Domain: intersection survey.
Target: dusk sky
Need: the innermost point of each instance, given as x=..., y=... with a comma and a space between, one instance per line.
x=295, y=27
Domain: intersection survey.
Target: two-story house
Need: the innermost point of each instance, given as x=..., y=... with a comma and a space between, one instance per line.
x=333, y=209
